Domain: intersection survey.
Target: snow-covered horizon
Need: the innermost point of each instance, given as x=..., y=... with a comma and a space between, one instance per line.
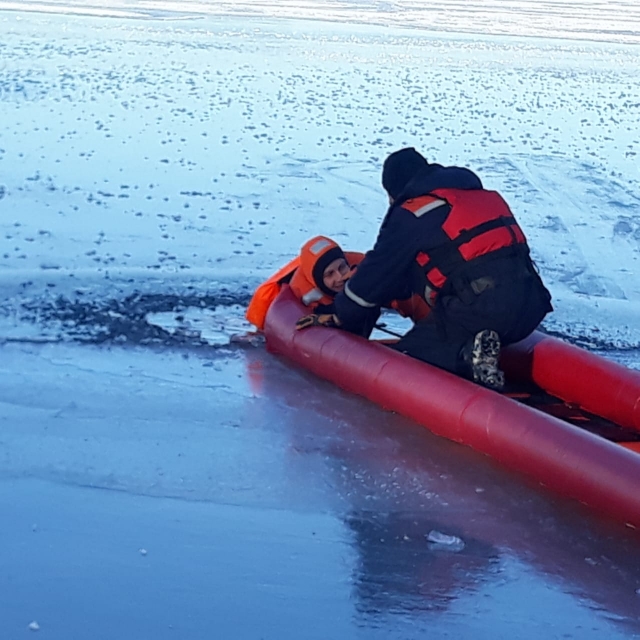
x=598, y=20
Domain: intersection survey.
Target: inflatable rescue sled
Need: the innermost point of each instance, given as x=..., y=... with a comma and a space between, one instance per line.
x=569, y=419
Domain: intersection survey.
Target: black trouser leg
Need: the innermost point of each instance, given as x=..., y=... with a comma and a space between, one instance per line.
x=437, y=343
x=513, y=309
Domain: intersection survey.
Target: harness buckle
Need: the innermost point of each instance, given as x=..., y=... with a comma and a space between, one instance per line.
x=430, y=295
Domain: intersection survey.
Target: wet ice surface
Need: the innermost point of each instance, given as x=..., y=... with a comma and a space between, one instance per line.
x=191, y=493
x=160, y=473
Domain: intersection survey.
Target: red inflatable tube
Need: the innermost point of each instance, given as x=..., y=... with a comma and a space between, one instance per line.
x=562, y=457
x=577, y=376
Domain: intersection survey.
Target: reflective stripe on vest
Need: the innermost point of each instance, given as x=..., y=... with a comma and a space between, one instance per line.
x=423, y=204
x=315, y=295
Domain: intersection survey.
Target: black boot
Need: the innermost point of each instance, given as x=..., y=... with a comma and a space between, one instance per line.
x=485, y=352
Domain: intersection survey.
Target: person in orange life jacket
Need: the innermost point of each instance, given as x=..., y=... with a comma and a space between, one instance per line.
x=315, y=277
x=457, y=245
x=323, y=273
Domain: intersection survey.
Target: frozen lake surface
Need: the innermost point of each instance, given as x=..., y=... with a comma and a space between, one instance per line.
x=157, y=162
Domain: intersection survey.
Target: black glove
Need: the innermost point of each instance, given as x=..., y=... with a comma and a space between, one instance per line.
x=317, y=320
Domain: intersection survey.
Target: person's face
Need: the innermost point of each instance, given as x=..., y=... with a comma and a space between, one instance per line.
x=336, y=275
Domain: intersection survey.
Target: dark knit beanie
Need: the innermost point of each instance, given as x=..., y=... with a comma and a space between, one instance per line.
x=400, y=168
x=323, y=262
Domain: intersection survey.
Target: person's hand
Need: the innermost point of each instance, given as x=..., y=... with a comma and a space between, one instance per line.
x=317, y=320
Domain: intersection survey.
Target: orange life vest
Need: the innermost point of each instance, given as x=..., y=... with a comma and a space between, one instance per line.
x=478, y=224
x=267, y=292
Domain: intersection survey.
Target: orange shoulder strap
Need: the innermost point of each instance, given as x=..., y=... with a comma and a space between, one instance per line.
x=266, y=293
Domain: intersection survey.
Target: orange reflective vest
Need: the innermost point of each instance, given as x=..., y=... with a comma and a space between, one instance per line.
x=478, y=224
